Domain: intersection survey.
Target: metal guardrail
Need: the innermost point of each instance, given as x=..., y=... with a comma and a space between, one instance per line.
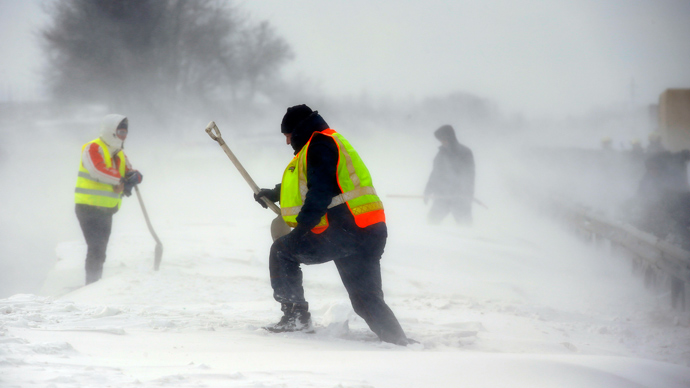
x=666, y=267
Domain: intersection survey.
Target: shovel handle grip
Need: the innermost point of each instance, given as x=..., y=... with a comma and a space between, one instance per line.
x=214, y=132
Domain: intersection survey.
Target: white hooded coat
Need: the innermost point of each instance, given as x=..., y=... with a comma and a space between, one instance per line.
x=109, y=132
x=92, y=156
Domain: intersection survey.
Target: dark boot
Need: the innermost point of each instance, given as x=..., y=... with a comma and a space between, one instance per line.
x=296, y=317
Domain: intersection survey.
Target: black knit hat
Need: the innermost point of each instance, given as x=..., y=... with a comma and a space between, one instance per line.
x=293, y=117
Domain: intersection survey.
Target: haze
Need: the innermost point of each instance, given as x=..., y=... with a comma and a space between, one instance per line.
x=544, y=73
x=533, y=57
x=516, y=299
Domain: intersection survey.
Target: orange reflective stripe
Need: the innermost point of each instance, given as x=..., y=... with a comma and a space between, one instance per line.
x=370, y=218
x=322, y=225
x=319, y=229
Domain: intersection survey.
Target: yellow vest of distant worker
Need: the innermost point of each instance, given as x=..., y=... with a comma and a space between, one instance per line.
x=94, y=193
x=353, y=178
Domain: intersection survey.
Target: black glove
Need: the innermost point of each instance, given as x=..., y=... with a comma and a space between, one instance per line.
x=272, y=195
x=133, y=177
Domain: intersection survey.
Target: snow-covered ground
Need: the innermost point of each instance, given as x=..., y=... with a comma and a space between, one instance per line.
x=513, y=301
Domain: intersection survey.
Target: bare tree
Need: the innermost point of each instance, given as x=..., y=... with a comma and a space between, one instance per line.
x=153, y=52
x=261, y=55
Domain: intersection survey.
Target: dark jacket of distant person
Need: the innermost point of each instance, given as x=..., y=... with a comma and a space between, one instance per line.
x=453, y=171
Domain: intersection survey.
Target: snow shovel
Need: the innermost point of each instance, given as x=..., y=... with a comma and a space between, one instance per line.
x=159, y=246
x=278, y=226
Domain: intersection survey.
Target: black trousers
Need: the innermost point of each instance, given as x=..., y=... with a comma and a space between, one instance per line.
x=96, y=224
x=459, y=207
x=357, y=257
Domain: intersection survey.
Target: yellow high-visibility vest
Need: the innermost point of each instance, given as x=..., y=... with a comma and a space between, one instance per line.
x=94, y=193
x=353, y=179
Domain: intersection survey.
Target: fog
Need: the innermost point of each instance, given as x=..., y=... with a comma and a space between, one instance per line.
x=533, y=57
x=531, y=87
x=188, y=180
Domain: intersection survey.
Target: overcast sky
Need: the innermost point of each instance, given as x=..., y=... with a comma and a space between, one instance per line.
x=539, y=57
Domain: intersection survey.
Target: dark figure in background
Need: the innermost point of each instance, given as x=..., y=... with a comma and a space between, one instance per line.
x=328, y=197
x=104, y=175
x=451, y=184
x=664, y=196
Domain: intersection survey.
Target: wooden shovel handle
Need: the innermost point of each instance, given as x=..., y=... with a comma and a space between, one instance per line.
x=214, y=132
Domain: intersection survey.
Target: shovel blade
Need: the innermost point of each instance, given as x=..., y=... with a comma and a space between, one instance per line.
x=279, y=228
x=159, y=256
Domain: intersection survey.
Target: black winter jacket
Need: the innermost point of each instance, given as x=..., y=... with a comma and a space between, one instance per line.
x=322, y=163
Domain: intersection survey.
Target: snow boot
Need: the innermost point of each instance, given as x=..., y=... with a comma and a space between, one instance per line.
x=296, y=317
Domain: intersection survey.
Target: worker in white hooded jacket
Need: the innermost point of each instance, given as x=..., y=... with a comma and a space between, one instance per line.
x=104, y=175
